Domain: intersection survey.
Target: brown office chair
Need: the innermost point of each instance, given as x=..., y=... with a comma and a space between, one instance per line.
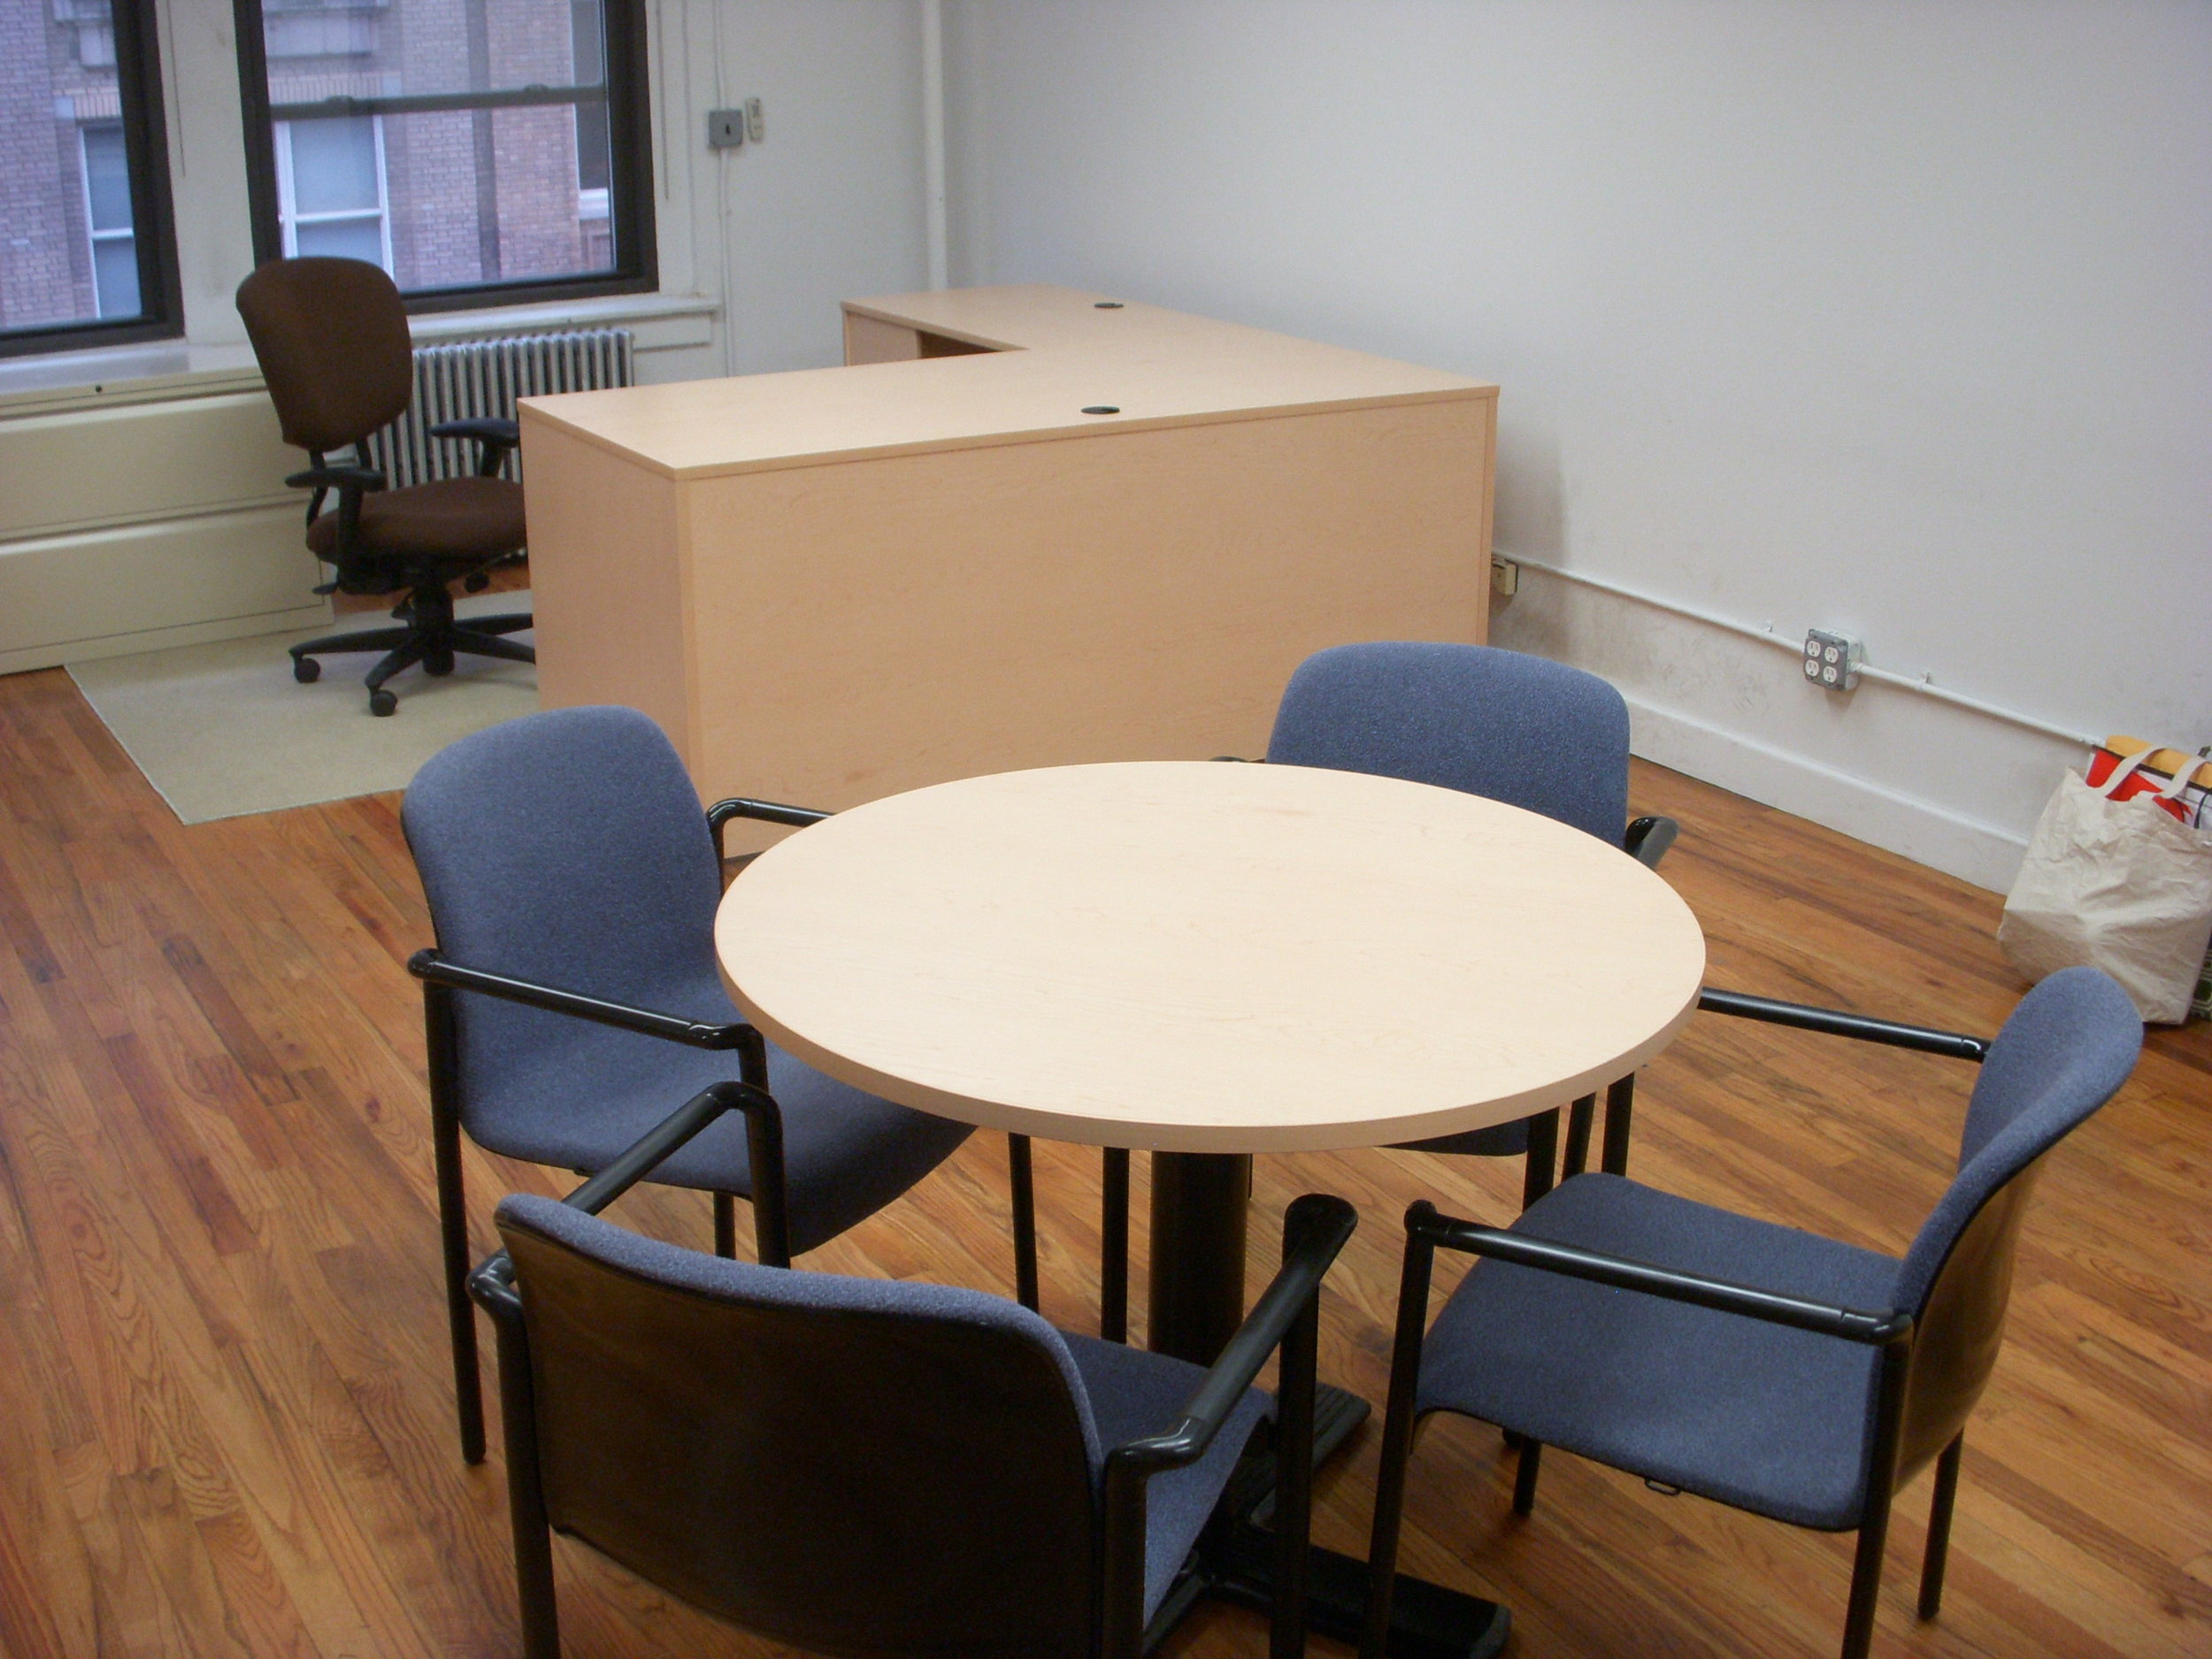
x=331, y=336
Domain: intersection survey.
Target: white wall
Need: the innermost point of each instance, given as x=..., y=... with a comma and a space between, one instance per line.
x=1883, y=317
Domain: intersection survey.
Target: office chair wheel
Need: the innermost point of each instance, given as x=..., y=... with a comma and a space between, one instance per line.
x=382, y=702
x=438, y=662
x=476, y=582
x=306, y=670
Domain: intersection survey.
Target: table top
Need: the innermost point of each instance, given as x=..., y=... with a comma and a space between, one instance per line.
x=1052, y=352
x=1194, y=956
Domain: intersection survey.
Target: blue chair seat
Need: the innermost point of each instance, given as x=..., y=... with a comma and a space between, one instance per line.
x=1761, y=1417
x=1134, y=1394
x=572, y=1095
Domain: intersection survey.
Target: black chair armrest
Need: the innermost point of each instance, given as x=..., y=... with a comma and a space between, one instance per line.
x=1875, y=1328
x=337, y=476
x=1314, y=1229
x=430, y=967
x=492, y=1285
x=1648, y=838
x=1244, y=760
x=721, y=812
x=1836, y=1022
x=493, y=437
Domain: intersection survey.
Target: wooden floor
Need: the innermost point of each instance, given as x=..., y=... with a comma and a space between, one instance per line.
x=225, y=1420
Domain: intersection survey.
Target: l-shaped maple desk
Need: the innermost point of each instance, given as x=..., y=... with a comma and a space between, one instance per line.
x=1026, y=527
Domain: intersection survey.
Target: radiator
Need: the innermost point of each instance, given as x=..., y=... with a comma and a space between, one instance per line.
x=472, y=379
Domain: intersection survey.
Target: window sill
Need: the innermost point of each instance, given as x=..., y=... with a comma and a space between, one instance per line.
x=110, y=376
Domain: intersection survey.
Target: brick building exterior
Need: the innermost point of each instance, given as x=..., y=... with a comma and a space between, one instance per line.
x=441, y=198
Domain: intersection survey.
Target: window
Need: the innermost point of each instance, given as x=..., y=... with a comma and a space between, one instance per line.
x=85, y=254
x=482, y=151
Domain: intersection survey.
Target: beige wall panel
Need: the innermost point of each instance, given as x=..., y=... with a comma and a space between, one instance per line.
x=150, y=460
x=60, y=592
x=872, y=340
x=890, y=623
x=606, y=561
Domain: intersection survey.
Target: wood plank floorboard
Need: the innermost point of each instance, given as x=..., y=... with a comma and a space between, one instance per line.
x=226, y=1422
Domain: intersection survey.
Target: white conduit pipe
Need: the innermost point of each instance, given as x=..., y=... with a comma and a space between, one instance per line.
x=1924, y=686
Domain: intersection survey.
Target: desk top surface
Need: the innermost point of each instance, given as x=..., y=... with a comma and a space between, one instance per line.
x=1202, y=957
x=1051, y=353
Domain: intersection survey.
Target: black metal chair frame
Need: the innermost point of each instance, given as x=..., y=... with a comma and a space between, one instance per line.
x=1287, y=1315
x=441, y=979
x=427, y=632
x=1888, y=1330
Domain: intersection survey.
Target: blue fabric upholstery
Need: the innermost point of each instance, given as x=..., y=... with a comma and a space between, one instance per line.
x=1119, y=1394
x=1764, y=1418
x=1520, y=729
x=569, y=848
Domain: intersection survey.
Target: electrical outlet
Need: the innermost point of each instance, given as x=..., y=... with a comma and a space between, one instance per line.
x=1505, y=577
x=755, y=120
x=726, y=128
x=1831, y=660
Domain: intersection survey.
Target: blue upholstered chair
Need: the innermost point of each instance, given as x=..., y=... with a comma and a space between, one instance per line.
x=1768, y=1369
x=1524, y=730
x=573, y=1000
x=858, y=1466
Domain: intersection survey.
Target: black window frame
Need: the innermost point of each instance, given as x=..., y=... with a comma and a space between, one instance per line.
x=630, y=161
x=153, y=218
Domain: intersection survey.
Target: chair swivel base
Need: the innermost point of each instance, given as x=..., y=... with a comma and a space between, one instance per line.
x=427, y=634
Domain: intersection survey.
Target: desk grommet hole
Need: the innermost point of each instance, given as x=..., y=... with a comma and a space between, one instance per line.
x=1102, y=409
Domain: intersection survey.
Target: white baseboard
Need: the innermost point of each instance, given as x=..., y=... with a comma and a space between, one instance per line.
x=1919, y=830
x=1942, y=785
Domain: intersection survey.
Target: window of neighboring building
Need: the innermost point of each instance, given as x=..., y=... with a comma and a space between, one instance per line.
x=85, y=254
x=482, y=153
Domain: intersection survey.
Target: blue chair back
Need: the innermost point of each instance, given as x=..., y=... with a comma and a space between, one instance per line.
x=850, y=1466
x=2066, y=1050
x=1520, y=729
x=570, y=849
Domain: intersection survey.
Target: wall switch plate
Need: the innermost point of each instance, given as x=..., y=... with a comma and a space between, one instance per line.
x=726, y=128
x=1505, y=577
x=755, y=121
x=1832, y=660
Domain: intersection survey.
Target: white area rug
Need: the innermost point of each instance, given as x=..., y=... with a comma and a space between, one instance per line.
x=224, y=729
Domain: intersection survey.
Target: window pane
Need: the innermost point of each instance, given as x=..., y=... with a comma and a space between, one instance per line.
x=334, y=165
x=115, y=275
x=345, y=239
x=107, y=177
x=320, y=49
x=62, y=168
x=490, y=196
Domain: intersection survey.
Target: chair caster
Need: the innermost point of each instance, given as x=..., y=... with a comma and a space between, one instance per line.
x=306, y=670
x=476, y=583
x=383, y=702
x=438, y=662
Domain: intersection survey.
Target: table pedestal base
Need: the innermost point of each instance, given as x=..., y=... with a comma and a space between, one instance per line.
x=1236, y=1560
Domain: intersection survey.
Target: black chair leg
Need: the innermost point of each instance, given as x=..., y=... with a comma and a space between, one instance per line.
x=1866, y=1580
x=1524, y=1473
x=1113, y=1236
x=1620, y=1100
x=1023, y=1182
x=453, y=1222
x=525, y=1502
x=724, y=1226
x=1578, y=1120
x=1543, y=1151
x=1946, y=1492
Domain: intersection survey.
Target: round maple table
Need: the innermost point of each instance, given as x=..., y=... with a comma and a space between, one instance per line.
x=1209, y=960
